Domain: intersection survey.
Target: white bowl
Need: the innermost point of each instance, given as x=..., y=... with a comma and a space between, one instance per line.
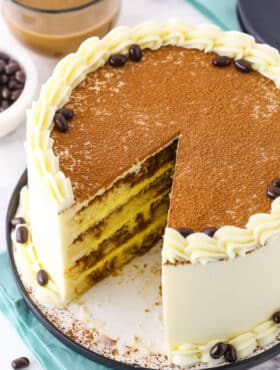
x=16, y=113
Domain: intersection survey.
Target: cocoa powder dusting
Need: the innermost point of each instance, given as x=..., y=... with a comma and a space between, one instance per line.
x=228, y=123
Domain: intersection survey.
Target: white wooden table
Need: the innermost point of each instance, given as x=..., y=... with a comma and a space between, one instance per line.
x=12, y=155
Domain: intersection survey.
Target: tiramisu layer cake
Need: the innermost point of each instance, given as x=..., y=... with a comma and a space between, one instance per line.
x=164, y=129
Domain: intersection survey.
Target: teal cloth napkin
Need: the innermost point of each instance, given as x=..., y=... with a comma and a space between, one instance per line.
x=49, y=351
x=221, y=12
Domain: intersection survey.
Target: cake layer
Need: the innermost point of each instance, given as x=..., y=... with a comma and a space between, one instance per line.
x=136, y=245
x=122, y=221
x=140, y=220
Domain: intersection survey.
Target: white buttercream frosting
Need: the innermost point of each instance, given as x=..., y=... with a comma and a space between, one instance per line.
x=245, y=344
x=27, y=259
x=228, y=242
x=264, y=226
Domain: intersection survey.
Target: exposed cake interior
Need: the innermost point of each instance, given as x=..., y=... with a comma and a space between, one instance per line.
x=125, y=221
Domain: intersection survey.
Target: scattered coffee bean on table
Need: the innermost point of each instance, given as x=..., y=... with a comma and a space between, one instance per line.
x=12, y=81
x=20, y=363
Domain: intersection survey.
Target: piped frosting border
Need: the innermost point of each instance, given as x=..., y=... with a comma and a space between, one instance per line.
x=229, y=241
x=259, y=337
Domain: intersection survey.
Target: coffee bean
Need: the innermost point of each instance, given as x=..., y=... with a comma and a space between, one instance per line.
x=117, y=60
x=20, y=76
x=15, y=95
x=42, y=277
x=15, y=85
x=17, y=221
x=230, y=354
x=60, y=123
x=2, y=66
x=12, y=79
x=4, y=105
x=185, y=231
x=243, y=65
x=3, y=79
x=135, y=53
x=273, y=192
x=20, y=363
x=276, y=182
x=11, y=67
x=276, y=317
x=218, y=350
x=12, y=84
x=221, y=61
x=5, y=93
x=22, y=234
x=3, y=56
x=67, y=113
x=210, y=231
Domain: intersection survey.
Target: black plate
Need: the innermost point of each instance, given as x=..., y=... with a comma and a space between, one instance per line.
x=260, y=18
x=241, y=365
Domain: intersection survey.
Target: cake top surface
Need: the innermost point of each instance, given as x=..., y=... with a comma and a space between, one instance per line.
x=227, y=123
